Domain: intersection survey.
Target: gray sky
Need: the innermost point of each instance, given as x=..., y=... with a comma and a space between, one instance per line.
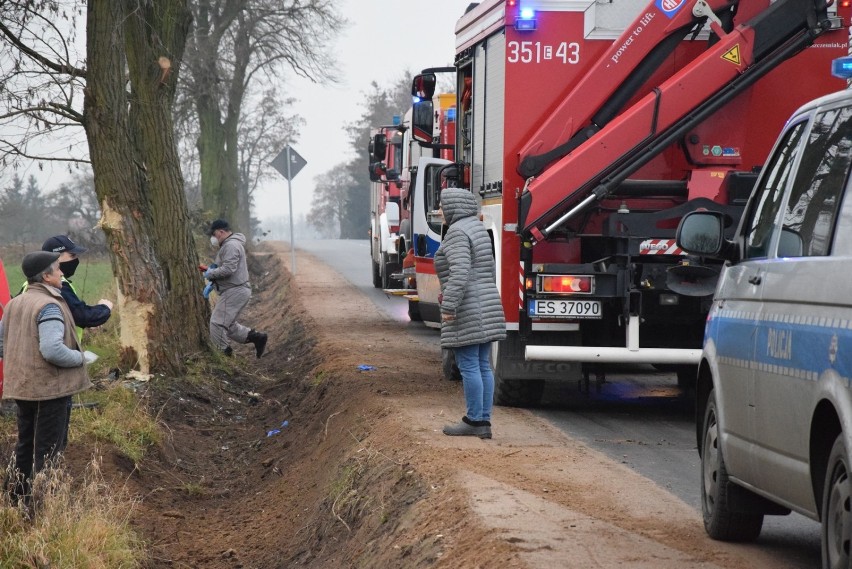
x=385, y=38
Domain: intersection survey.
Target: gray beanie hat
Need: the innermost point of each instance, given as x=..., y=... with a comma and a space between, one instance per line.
x=34, y=263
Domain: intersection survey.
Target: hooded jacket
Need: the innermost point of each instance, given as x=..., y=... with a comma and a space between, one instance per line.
x=232, y=269
x=465, y=266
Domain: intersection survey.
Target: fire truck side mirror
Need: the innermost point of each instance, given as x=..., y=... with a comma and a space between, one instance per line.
x=423, y=86
x=422, y=121
x=376, y=171
x=378, y=147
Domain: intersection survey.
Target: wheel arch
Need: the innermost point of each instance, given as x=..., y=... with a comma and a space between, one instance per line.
x=703, y=387
x=825, y=427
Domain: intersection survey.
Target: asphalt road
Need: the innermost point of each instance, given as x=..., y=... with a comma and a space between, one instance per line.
x=637, y=416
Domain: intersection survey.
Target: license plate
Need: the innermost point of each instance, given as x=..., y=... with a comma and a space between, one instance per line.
x=565, y=308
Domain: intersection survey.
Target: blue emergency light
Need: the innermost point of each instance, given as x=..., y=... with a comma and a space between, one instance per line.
x=525, y=22
x=842, y=67
x=451, y=115
x=397, y=120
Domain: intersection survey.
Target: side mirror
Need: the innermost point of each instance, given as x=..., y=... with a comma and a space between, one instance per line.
x=790, y=244
x=423, y=86
x=422, y=121
x=378, y=147
x=702, y=233
x=421, y=246
x=392, y=175
x=377, y=169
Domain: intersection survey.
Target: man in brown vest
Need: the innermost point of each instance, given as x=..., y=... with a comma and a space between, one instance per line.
x=44, y=366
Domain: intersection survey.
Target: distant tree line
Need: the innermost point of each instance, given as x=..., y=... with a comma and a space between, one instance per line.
x=29, y=215
x=341, y=207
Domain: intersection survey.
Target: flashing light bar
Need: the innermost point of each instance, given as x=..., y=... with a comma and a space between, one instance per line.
x=842, y=67
x=565, y=284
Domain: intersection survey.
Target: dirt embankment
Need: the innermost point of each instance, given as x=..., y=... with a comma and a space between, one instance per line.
x=361, y=475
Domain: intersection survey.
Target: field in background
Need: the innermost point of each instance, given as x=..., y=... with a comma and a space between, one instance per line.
x=93, y=279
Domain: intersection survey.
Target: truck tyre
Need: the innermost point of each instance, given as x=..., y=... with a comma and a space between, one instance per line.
x=836, y=515
x=386, y=280
x=377, y=276
x=687, y=376
x=722, y=520
x=414, y=311
x=513, y=392
x=448, y=365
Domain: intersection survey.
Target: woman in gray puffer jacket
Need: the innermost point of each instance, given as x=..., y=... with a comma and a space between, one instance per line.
x=471, y=312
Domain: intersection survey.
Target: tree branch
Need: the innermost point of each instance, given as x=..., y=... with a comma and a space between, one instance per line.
x=58, y=67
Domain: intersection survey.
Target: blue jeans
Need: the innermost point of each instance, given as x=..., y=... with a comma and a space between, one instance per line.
x=474, y=363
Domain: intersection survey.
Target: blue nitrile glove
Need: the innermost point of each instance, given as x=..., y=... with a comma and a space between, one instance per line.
x=207, y=272
x=207, y=290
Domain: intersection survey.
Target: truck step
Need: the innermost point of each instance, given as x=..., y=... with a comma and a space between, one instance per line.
x=398, y=291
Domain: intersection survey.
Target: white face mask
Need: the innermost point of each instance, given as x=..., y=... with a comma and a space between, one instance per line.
x=214, y=241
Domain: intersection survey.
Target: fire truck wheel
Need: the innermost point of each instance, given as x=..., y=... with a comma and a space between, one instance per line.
x=722, y=519
x=448, y=365
x=385, y=270
x=377, y=277
x=414, y=311
x=518, y=392
x=687, y=377
x=513, y=392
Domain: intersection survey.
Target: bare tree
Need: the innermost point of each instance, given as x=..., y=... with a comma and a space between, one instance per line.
x=260, y=136
x=331, y=196
x=134, y=50
x=236, y=43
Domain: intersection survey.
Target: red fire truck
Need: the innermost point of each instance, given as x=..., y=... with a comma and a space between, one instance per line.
x=385, y=163
x=587, y=130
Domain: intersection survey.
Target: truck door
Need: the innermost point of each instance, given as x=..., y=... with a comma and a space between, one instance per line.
x=797, y=320
x=734, y=321
x=426, y=228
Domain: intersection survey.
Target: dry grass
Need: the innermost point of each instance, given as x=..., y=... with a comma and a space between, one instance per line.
x=83, y=524
x=120, y=418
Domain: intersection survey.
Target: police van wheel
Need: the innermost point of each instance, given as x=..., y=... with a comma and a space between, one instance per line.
x=722, y=520
x=448, y=365
x=836, y=511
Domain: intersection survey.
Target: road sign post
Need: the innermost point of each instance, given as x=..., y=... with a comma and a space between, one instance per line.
x=289, y=163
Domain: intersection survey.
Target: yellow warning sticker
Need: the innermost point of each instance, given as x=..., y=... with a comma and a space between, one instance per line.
x=732, y=55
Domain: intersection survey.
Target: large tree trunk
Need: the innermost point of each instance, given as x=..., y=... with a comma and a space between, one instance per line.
x=138, y=179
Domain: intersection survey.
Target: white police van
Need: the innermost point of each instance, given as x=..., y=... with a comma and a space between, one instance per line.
x=774, y=406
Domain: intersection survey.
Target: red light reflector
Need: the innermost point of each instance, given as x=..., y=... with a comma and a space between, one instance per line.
x=566, y=284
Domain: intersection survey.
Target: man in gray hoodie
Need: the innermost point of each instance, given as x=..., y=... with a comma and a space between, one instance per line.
x=230, y=278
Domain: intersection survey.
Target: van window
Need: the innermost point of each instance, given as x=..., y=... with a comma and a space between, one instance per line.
x=815, y=196
x=766, y=201
x=432, y=187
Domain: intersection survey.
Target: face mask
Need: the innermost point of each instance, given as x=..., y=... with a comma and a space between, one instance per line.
x=69, y=267
x=214, y=241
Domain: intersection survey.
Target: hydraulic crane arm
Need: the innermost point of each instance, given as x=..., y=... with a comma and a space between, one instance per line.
x=596, y=159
